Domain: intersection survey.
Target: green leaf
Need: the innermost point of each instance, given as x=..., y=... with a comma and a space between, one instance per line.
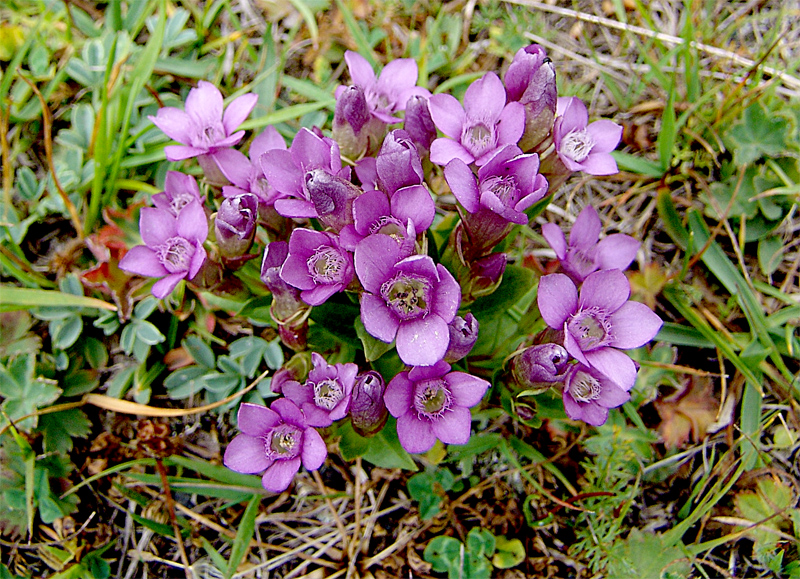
x=200, y=352
x=770, y=254
x=241, y=543
x=517, y=282
x=373, y=348
x=480, y=542
x=23, y=392
x=428, y=489
x=65, y=331
x=646, y=556
x=760, y=133
x=14, y=298
x=60, y=428
x=509, y=553
x=383, y=449
x=443, y=553
x=628, y=162
x=666, y=136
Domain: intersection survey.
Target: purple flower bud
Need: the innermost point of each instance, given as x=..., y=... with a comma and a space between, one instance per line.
x=295, y=370
x=398, y=164
x=368, y=412
x=288, y=310
x=332, y=197
x=419, y=124
x=349, y=119
x=531, y=80
x=463, y=335
x=235, y=225
x=539, y=367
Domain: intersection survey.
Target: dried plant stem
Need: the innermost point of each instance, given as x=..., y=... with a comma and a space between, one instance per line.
x=324, y=492
x=171, y=511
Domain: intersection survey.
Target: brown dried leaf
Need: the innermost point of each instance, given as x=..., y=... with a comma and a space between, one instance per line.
x=686, y=415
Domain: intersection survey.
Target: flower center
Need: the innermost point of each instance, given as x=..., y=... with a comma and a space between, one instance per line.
x=388, y=226
x=580, y=262
x=175, y=254
x=407, y=296
x=179, y=200
x=210, y=135
x=283, y=442
x=585, y=388
x=328, y=393
x=432, y=398
x=505, y=188
x=478, y=138
x=326, y=265
x=577, y=145
x=591, y=328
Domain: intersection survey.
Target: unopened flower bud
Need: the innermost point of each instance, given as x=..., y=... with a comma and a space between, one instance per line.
x=235, y=224
x=537, y=368
x=419, y=124
x=368, y=412
x=332, y=197
x=295, y=370
x=463, y=335
x=398, y=164
x=531, y=80
x=349, y=119
x=288, y=309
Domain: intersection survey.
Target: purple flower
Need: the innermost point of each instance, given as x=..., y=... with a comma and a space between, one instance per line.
x=507, y=185
x=202, y=127
x=367, y=409
x=538, y=367
x=463, y=335
x=484, y=124
x=598, y=322
x=173, y=248
x=588, y=395
x=584, y=255
x=275, y=441
x=357, y=131
x=332, y=197
x=582, y=146
x=431, y=402
x=317, y=264
x=179, y=191
x=389, y=92
x=531, y=80
x=235, y=225
x=399, y=219
x=419, y=123
x=325, y=396
x=246, y=174
x=411, y=300
x=289, y=171
x=398, y=164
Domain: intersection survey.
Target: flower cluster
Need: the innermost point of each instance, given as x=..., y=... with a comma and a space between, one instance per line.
x=344, y=217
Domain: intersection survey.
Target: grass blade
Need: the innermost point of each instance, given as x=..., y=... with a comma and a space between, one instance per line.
x=14, y=298
x=247, y=527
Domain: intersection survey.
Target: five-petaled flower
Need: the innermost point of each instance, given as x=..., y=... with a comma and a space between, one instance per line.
x=588, y=395
x=325, y=396
x=173, y=248
x=409, y=299
x=598, y=322
x=431, y=402
x=275, y=441
x=582, y=146
x=317, y=264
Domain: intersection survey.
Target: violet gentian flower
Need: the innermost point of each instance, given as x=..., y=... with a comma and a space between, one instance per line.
x=419, y=123
x=507, y=185
x=531, y=81
x=537, y=368
x=389, y=92
x=582, y=146
x=275, y=441
x=463, y=335
x=179, y=191
x=289, y=172
x=235, y=225
x=477, y=129
x=317, y=264
x=584, y=254
x=598, y=322
x=431, y=402
x=398, y=164
x=588, y=394
x=325, y=395
x=411, y=300
x=374, y=213
x=173, y=246
x=203, y=128
x=246, y=173
x=332, y=197
x=368, y=411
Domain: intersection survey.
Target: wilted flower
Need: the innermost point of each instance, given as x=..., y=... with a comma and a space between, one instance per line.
x=430, y=403
x=179, y=191
x=173, y=248
x=538, y=367
x=588, y=395
x=275, y=441
x=598, y=322
x=203, y=128
x=368, y=411
x=317, y=264
x=582, y=146
x=531, y=80
x=389, y=92
x=325, y=395
x=584, y=254
x=409, y=299
x=235, y=225
x=463, y=335
x=477, y=129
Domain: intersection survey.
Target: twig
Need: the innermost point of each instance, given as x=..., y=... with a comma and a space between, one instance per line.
x=324, y=492
x=171, y=511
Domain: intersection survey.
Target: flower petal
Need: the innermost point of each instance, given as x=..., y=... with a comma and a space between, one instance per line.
x=235, y=166
x=415, y=435
x=616, y=251
x=256, y=420
x=156, y=226
x=557, y=299
x=616, y=365
x=375, y=258
x=180, y=153
x=447, y=298
x=237, y=111
x=399, y=395
x=607, y=289
x=467, y=390
x=246, y=454
x=174, y=123
x=554, y=236
x=361, y=72
x=279, y=475
x=599, y=164
x=414, y=203
x=320, y=294
x=163, y=287
x=633, y=325
x=485, y=99
x=605, y=134
x=298, y=393
x=289, y=412
x=511, y=124
x=463, y=184
x=586, y=229
x=378, y=320
x=423, y=341
x=192, y=223
x=444, y=150
x=142, y=260
x=314, y=450
x=453, y=427
x=612, y=396
x=447, y=113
